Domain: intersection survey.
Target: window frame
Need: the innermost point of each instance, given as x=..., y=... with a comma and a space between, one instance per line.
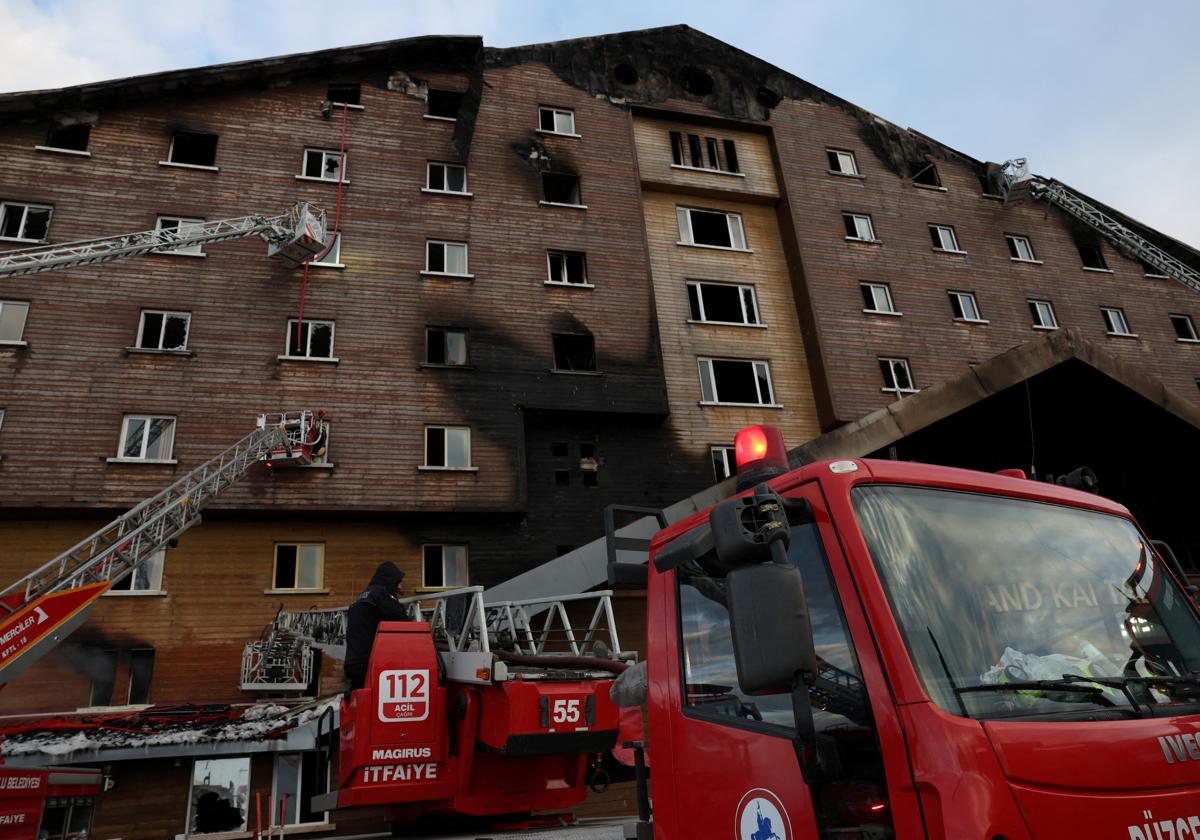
x=466, y=334
x=555, y=112
x=275, y=587
x=162, y=329
x=47, y=146
x=1180, y=318
x=466, y=566
x=1111, y=314
x=443, y=91
x=170, y=161
x=855, y=217
x=1094, y=245
x=1035, y=310
x=892, y=361
x=19, y=341
x=333, y=257
x=446, y=167
x=308, y=357
x=190, y=813
x=577, y=205
x=943, y=233
x=716, y=155
x=832, y=154
x=592, y=371
x=428, y=272
x=728, y=457
x=182, y=223
x=445, y=467
x=305, y=756
x=956, y=305
x=887, y=293
x=148, y=420
x=158, y=562
x=704, y=363
x=688, y=238
x=551, y=253
x=742, y=288
x=26, y=206
x=1014, y=251
x=343, y=166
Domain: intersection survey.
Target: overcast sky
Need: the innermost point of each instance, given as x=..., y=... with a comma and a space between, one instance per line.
x=1103, y=94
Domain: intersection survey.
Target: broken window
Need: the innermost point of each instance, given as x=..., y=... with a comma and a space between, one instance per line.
x=842, y=162
x=568, y=268
x=737, y=381
x=102, y=666
x=220, y=795
x=191, y=148
x=331, y=257
x=1020, y=248
x=710, y=228
x=141, y=673
x=345, y=94
x=299, y=566
x=443, y=104
x=1090, y=253
x=677, y=148
x=965, y=307
x=574, y=352
x=877, y=297
x=69, y=138
x=925, y=174
x=444, y=567
x=67, y=818
x=1151, y=270
x=146, y=438
x=325, y=164
x=161, y=330
x=298, y=778
x=696, y=152
x=558, y=188
x=1185, y=329
x=1114, y=320
x=859, y=226
x=944, y=238
x=724, y=462
x=175, y=228
x=445, y=346
x=731, y=158
x=722, y=303
x=12, y=320
x=309, y=339
x=147, y=577
x=446, y=177
x=1043, y=315
x=446, y=257
x=448, y=447
x=556, y=120
x=24, y=222
x=562, y=477
x=897, y=377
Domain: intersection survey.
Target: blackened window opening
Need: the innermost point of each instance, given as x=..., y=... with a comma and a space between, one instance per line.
x=574, y=352
x=71, y=137
x=444, y=103
x=568, y=267
x=561, y=189
x=710, y=229
x=925, y=173
x=102, y=664
x=345, y=94
x=1090, y=253
x=194, y=149
x=731, y=158
x=141, y=672
x=285, y=567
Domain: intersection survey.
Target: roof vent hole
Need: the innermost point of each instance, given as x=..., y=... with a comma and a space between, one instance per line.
x=767, y=97
x=697, y=82
x=626, y=74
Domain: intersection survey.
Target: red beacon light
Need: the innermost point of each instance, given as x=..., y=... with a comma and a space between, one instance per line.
x=760, y=454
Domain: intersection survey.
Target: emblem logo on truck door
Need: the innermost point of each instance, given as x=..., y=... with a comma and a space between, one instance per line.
x=403, y=696
x=761, y=816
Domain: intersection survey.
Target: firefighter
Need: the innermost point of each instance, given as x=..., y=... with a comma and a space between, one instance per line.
x=378, y=602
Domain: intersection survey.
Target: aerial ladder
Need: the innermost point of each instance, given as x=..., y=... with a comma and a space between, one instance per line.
x=1128, y=242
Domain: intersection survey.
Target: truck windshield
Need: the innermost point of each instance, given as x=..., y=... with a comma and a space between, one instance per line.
x=1013, y=608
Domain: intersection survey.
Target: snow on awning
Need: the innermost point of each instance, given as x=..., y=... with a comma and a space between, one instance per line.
x=166, y=731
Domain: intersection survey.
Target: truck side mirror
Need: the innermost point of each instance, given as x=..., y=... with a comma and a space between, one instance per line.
x=772, y=632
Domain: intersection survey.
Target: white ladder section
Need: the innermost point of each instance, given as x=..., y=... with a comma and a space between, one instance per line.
x=294, y=235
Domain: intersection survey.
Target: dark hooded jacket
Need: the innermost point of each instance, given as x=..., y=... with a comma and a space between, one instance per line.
x=374, y=605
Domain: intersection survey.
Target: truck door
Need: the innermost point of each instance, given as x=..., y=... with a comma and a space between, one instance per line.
x=734, y=768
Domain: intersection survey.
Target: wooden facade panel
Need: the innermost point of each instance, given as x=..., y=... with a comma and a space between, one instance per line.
x=655, y=158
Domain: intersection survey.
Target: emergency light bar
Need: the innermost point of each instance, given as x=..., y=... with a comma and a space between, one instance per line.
x=760, y=454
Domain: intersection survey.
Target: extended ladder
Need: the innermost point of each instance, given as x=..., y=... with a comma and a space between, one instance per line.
x=294, y=235
x=45, y=605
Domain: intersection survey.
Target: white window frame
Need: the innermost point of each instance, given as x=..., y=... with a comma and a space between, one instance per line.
x=962, y=298
x=6, y=207
x=466, y=334
x=843, y=156
x=343, y=168
x=162, y=329
x=293, y=803
x=183, y=225
x=862, y=221
x=948, y=239
x=425, y=465
x=1114, y=318
x=1019, y=245
x=895, y=388
x=1039, y=308
x=446, y=167
x=550, y=254
x=147, y=419
x=189, y=814
x=465, y=567
x=708, y=381
x=742, y=288
x=733, y=221
x=876, y=288
x=312, y=322
x=728, y=457
x=153, y=565
x=445, y=243
x=296, y=576
x=333, y=258
x=1191, y=325
x=1, y=419
x=212, y=167
x=565, y=113
x=19, y=341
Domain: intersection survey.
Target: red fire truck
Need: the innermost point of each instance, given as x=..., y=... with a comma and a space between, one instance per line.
x=860, y=649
